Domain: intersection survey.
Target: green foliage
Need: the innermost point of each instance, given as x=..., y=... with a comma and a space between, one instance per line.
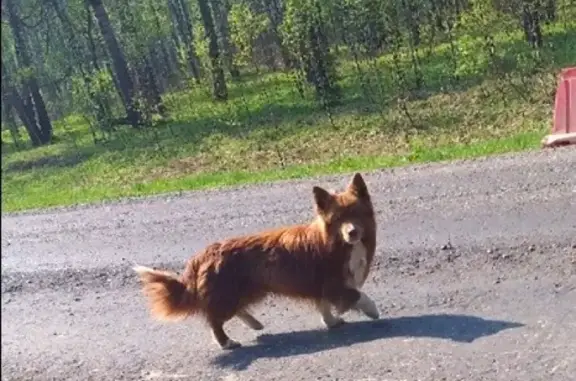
x=305, y=34
x=393, y=78
x=363, y=23
x=8, y=51
x=245, y=27
x=94, y=97
x=201, y=44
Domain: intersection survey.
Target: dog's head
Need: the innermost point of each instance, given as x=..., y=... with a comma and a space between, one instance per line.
x=347, y=214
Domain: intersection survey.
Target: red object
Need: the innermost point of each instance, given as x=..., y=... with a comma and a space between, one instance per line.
x=564, y=124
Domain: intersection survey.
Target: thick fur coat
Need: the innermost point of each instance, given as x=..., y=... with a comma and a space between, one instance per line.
x=325, y=262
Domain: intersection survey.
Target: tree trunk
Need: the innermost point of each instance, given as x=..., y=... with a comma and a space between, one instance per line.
x=164, y=62
x=160, y=66
x=411, y=12
x=550, y=10
x=275, y=14
x=220, y=9
x=123, y=77
x=35, y=107
x=169, y=54
x=435, y=14
x=11, y=96
x=319, y=67
x=9, y=119
x=531, y=22
x=82, y=49
x=181, y=17
x=220, y=91
x=149, y=86
x=192, y=56
x=90, y=38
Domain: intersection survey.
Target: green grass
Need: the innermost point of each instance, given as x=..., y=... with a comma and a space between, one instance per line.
x=37, y=197
x=268, y=132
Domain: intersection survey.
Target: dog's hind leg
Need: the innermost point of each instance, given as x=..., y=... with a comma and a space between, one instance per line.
x=250, y=320
x=329, y=320
x=220, y=336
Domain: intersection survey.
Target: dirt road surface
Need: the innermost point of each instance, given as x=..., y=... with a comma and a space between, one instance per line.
x=475, y=276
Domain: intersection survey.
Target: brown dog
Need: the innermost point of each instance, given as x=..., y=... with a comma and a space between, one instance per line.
x=325, y=262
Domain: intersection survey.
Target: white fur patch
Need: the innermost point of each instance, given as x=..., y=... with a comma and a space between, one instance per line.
x=142, y=269
x=357, y=266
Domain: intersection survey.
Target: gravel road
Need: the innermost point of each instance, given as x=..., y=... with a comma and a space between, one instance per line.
x=475, y=276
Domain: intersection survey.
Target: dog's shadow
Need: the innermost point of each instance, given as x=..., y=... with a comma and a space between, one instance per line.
x=459, y=328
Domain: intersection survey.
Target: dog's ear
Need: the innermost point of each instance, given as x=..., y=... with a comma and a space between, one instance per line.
x=358, y=187
x=323, y=199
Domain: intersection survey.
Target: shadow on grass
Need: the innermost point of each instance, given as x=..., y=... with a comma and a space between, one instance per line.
x=66, y=160
x=458, y=328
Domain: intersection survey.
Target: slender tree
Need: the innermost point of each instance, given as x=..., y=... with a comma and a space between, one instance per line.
x=183, y=24
x=219, y=88
x=531, y=15
x=220, y=10
x=122, y=75
x=29, y=103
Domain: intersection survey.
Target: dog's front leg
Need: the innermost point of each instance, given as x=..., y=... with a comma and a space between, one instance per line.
x=351, y=298
x=367, y=306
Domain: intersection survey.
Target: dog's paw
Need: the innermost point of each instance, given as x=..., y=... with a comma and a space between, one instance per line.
x=257, y=326
x=334, y=322
x=373, y=314
x=231, y=344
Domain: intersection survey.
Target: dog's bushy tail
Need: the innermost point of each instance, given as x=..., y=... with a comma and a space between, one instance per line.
x=168, y=296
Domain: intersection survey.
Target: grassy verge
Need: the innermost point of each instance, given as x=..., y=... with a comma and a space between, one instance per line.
x=39, y=196
x=267, y=131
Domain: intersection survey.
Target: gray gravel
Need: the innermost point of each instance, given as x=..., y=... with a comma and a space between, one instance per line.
x=475, y=276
